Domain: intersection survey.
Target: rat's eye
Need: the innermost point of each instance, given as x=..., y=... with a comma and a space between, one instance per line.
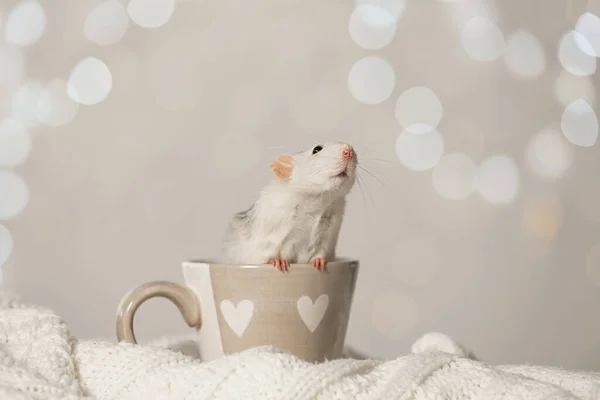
x=317, y=149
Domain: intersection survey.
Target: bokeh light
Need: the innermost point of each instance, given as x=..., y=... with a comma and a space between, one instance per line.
x=592, y=264
x=579, y=124
x=498, y=180
x=394, y=313
x=107, y=23
x=15, y=143
x=55, y=107
x=371, y=80
x=454, y=178
x=482, y=40
x=543, y=216
x=24, y=103
x=371, y=27
x=524, y=56
x=395, y=8
x=419, y=110
x=14, y=195
x=6, y=244
x=588, y=40
x=416, y=259
x=569, y=88
x=572, y=58
x=150, y=13
x=419, y=151
x=90, y=82
x=549, y=155
x=25, y=23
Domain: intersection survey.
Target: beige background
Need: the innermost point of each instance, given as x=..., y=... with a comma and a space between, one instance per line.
x=191, y=100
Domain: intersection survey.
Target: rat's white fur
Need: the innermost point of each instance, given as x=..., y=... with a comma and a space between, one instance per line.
x=297, y=219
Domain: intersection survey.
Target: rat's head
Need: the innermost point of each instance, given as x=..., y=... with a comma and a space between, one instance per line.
x=328, y=167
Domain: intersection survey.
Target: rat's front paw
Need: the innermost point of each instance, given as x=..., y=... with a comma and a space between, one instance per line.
x=281, y=265
x=318, y=263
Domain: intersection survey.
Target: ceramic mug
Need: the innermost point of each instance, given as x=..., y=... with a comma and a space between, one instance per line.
x=235, y=307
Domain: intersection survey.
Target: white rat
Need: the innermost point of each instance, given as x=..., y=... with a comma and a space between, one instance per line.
x=298, y=216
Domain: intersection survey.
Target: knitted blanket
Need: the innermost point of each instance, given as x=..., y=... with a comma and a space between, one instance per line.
x=39, y=359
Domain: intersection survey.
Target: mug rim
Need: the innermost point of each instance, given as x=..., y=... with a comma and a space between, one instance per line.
x=338, y=262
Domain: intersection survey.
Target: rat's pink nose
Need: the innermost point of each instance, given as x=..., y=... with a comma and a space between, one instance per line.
x=347, y=153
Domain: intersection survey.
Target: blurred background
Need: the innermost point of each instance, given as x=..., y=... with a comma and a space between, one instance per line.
x=130, y=131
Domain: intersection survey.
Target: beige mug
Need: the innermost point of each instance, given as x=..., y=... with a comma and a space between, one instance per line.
x=235, y=307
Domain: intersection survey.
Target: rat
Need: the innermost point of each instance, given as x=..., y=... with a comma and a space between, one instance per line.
x=297, y=217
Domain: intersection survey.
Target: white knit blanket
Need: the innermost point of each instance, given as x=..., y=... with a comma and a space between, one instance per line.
x=39, y=359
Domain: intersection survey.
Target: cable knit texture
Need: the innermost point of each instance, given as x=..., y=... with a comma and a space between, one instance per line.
x=39, y=359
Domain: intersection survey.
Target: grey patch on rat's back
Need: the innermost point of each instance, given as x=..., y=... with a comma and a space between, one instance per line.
x=244, y=215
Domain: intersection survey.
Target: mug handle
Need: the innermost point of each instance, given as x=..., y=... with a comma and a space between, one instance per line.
x=183, y=297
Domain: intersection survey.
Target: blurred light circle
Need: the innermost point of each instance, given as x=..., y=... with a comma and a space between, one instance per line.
x=395, y=8
x=25, y=23
x=588, y=40
x=419, y=151
x=14, y=195
x=371, y=80
x=416, y=260
x=15, y=143
x=543, y=216
x=107, y=23
x=549, y=155
x=569, y=88
x=454, y=178
x=371, y=27
x=55, y=107
x=6, y=245
x=579, y=124
x=524, y=55
x=498, y=180
x=150, y=13
x=12, y=65
x=394, y=313
x=592, y=264
x=419, y=110
x=24, y=103
x=90, y=82
x=482, y=40
x=573, y=58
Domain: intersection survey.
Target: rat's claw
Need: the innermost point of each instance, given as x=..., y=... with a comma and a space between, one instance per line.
x=318, y=263
x=281, y=265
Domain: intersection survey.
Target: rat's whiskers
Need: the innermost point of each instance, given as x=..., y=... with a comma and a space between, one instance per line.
x=364, y=168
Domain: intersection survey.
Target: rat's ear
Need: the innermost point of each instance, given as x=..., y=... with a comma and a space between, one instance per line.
x=282, y=167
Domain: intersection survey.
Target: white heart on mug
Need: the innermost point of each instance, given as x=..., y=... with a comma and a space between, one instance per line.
x=237, y=317
x=312, y=313
x=6, y=244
